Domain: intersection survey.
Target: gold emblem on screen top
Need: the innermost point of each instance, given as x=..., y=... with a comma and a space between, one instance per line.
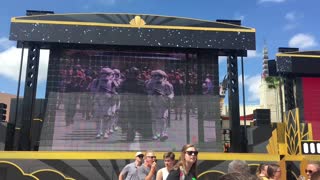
x=137, y=21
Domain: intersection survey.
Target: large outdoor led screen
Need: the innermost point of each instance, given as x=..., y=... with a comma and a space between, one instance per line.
x=112, y=100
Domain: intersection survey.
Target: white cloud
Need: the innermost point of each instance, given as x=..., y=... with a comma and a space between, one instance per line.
x=290, y=26
x=5, y=43
x=253, y=54
x=252, y=85
x=10, y=64
x=290, y=16
x=272, y=1
x=239, y=16
x=302, y=41
x=222, y=59
x=292, y=19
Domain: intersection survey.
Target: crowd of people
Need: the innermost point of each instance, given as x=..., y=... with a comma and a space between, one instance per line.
x=185, y=168
x=145, y=167
x=135, y=96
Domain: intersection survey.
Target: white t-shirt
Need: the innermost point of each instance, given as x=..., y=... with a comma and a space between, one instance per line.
x=165, y=173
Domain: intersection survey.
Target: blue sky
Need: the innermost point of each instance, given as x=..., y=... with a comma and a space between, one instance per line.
x=279, y=23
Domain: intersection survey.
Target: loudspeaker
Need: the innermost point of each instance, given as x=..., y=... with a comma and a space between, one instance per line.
x=262, y=117
x=287, y=49
x=272, y=67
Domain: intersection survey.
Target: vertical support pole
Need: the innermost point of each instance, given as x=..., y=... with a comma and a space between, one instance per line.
x=244, y=129
x=233, y=97
x=29, y=97
x=10, y=136
x=289, y=93
x=187, y=95
x=199, y=96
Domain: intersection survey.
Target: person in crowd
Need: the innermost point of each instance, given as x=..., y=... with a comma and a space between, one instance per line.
x=72, y=82
x=274, y=172
x=262, y=171
x=85, y=96
x=207, y=85
x=103, y=87
x=169, y=160
x=312, y=167
x=116, y=100
x=134, y=106
x=178, y=101
x=129, y=172
x=238, y=166
x=160, y=92
x=186, y=168
x=315, y=176
x=148, y=169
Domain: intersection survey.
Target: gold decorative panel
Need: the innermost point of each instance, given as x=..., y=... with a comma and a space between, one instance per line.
x=137, y=21
x=292, y=132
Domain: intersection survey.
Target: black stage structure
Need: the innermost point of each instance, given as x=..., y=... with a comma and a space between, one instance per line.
x=201, y=43
x=291, y=65
x=299, y=76
x=299, y=72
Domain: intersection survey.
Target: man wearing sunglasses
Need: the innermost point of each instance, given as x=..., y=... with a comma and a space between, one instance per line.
x=148, y=170
x=130, y=171
x=312, y=167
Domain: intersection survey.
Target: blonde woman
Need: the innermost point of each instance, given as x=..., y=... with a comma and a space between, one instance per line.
x=186, y=168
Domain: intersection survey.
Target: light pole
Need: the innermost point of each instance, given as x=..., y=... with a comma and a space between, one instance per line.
x=244, y=130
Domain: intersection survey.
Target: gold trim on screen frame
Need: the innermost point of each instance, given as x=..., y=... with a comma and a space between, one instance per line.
x=14, y=20
x=297, y=55
x=209, y=171
x=52, y=170
x=85, y=155
x=19, y=168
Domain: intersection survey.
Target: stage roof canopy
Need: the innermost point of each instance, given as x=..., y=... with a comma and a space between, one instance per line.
x=131, y=30
x=299, y=63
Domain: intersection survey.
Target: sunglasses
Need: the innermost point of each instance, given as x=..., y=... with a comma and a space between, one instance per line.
x=308, y=171
x=192, y=153
x=140, y=156
x=152, y=157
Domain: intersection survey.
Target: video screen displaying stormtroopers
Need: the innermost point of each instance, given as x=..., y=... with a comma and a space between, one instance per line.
x=129, y=100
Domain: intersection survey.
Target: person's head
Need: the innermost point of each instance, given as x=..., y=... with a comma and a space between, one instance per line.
x=262, y=170
x=312, y=167
x=169, y=160
x=189, y=157
x=139, y=157
x=116, y=73
x=106, y=73
x=158, y=75
x=238, y=166
x=274, y=171
x=315, y=176
x=149, y=158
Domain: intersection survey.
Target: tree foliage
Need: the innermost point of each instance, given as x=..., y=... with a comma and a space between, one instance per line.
x=273, y=82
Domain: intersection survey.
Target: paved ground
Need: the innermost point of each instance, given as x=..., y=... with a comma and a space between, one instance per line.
x=82, y=136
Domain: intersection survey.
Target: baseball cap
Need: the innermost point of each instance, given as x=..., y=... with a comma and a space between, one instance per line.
x=138, y=153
